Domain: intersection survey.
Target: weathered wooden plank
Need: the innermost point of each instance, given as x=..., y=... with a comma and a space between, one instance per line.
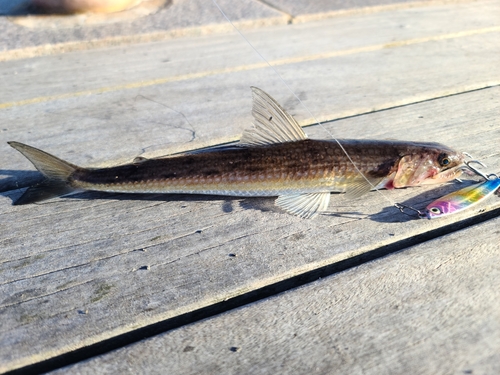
x=431, y=309
x=72, y=255
x=156, y=20
x=149, y=64
x=216, y=106
x=78, y=254
x=25, y=37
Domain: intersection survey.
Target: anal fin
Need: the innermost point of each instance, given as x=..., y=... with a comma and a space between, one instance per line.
x=306, y=205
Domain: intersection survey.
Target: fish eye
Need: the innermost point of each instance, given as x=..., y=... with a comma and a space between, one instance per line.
x=444, y=160
x=435, y=210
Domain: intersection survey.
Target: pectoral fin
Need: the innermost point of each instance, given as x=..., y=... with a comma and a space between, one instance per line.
x=306, y=205
x=360, y=186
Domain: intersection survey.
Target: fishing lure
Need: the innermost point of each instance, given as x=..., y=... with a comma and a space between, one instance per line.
x=274, y=158
x=464, y=198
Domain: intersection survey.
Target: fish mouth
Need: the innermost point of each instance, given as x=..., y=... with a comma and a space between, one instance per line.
x=445, y=176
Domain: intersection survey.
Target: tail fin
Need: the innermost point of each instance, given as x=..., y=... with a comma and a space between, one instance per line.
x=55, y=170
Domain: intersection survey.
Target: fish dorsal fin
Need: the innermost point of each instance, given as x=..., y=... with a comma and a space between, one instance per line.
x=361, y=185
x=272, y=123
x=306, y=205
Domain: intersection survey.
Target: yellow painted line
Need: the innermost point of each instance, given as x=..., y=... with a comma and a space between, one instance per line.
x=241, y=68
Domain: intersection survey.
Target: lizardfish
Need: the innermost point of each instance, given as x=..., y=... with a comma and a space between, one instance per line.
x=273, y=158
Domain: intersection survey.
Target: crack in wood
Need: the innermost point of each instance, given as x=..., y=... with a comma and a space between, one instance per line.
x=45, y=295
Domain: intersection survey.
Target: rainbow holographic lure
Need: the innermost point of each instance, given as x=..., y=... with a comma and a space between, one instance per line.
x=464, y=198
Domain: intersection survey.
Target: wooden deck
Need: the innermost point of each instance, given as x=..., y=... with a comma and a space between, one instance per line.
x=216, y=285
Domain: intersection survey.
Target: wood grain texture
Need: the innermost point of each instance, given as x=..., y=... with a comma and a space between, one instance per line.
x=431, y=309
x=87, y=253
x=153, y=20
x=77, y=122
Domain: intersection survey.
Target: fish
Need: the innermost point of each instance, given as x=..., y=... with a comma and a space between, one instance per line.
x=273, y=158
x=462, y=199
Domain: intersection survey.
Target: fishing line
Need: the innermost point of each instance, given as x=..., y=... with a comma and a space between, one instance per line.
x=392, y=203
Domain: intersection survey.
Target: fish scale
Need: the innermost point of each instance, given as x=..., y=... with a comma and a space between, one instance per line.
x=302, y=166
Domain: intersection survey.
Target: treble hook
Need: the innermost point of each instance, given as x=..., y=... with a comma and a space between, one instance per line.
x=475, y=170
x=491, y=176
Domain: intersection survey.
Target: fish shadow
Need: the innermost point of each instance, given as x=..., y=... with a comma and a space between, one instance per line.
x=267, y=204
x=263, y=204
x=228, y=203
x=11, y=179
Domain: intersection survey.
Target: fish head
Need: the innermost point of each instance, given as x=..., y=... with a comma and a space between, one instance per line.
x=428, y=163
